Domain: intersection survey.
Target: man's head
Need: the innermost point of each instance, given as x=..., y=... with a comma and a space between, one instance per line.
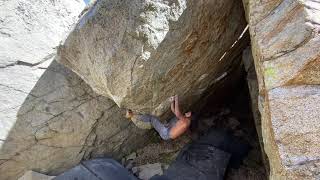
x=188, y=114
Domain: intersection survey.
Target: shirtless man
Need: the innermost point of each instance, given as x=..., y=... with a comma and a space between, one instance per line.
x=175, y=128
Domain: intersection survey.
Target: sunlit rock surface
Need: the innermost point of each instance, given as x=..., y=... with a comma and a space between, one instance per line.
x=29, y=34
x=285, y=44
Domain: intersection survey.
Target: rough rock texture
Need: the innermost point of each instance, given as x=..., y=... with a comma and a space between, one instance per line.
x=60, y=123
x=285, y=45
x=149, y=170
x=139, y=53
x=49, y=118
x=30, y=30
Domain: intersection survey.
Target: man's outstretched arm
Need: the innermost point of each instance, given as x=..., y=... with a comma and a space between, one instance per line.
x=176, y=107
x=171, y=99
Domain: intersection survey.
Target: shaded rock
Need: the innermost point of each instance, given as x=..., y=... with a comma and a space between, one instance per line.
x=131, y=156
x=285, y=46
x=209, y=122
x=123, y=161
x=62, y=122
x=149, y=170
x=254, y=97
x=32, y=175
x=134, y=171
x=245, y=174
x=224, y=112
x=139, y=53
x=129, y=165
x=165, y=166
x=233, y=123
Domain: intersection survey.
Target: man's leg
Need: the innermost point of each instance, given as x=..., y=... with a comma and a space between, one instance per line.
x=163, y=131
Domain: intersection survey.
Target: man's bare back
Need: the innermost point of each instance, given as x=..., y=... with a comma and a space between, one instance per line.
x=183, y=122
x=172, y=132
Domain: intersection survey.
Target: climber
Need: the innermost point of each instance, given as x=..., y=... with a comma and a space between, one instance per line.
x=175, y=128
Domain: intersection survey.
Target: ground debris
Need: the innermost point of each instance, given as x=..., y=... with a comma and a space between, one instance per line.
x=237, y=121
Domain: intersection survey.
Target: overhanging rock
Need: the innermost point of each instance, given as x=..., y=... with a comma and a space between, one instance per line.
x=139, y=53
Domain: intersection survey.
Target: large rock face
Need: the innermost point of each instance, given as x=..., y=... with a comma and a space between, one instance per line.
x=285, y=45
x=138, y=53
x=50, y=119
x=60, y=123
